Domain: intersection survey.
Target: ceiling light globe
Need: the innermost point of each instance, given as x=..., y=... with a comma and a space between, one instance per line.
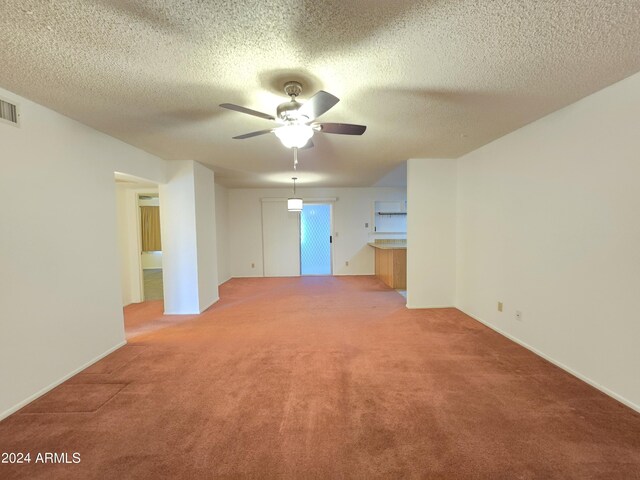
x=294, y=135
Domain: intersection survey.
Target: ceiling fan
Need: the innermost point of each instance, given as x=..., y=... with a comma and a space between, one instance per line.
x=298, y=119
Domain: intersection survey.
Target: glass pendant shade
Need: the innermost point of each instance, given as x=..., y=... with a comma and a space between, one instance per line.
x=294, y=135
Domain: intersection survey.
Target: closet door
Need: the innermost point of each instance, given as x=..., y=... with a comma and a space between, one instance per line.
x=280, y=239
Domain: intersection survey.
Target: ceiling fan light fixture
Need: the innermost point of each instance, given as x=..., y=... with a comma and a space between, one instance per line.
x=295, y=135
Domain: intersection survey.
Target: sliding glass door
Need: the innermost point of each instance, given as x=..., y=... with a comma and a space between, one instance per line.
x=315, y=239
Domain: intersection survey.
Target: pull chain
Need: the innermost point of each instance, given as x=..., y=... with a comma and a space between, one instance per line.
x=295, y=158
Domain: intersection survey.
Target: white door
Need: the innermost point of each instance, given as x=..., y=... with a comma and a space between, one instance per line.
x=280, y=240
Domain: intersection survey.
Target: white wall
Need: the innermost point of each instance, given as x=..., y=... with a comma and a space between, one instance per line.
x=61, y=304
x=353, y=208
x=151, y=260
x=431, y=233
x=180, y=272
x=549, y=224
x=189, y=273
x=222, y=233
x=128, y=250
x=280, y=239
x=205, y=209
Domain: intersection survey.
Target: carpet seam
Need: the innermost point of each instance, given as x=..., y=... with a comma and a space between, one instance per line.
x=58, y=382
x=124, y=385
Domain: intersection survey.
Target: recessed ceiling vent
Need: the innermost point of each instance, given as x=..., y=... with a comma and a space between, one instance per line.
x=8, y=112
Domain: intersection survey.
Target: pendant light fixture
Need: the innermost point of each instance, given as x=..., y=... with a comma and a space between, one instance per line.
x=294, y=204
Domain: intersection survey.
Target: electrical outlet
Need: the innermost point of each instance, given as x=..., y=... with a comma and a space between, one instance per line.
x=346, y=264
x=518, y=315
x=499, y=306
x=253, y=265
x=366, y=225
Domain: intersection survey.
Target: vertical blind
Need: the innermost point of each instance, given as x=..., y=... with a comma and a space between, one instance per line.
x=150, y=219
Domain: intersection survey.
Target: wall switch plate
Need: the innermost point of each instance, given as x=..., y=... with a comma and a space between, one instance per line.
x=518, y=315
x=366, y=225
x=499, y=306
x=346, y=264
x=253, y=265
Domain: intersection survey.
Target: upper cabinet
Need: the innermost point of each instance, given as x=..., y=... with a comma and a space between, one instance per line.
x=390, y=217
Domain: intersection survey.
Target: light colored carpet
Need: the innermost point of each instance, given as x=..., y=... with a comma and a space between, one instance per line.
x=322, y=378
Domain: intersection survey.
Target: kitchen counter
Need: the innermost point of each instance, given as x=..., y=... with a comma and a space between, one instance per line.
x=391, y=263
x=389, y=246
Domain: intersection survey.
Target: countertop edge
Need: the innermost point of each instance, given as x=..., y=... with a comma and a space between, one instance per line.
x=387, y=246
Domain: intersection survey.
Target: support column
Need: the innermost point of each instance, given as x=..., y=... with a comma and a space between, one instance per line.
x=187, y=206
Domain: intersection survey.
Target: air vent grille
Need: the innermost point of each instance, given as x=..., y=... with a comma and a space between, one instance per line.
x=8, y=112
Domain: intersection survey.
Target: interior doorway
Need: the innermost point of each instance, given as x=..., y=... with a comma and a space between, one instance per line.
x=132, y=193
x=316, y=240
x=151, y=246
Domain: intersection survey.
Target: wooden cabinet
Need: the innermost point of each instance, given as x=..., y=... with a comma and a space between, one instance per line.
x=391, y=266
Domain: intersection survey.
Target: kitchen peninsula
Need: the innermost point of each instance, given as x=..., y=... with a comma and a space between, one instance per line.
x=391, y=262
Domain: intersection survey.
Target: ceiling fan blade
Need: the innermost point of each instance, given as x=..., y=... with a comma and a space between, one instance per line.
x=317, y=105
x=248, y=111
x=342, y=128
x=253, y=134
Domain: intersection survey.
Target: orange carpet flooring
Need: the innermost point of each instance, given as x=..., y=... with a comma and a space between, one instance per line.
x=322, y=378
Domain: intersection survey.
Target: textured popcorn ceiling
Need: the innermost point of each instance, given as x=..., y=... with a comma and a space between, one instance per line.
x=428, y=78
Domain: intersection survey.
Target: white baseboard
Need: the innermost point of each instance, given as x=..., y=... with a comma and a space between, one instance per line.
x=578, y=375
x=53, y=385
x=217, y=299
x=431, y=306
